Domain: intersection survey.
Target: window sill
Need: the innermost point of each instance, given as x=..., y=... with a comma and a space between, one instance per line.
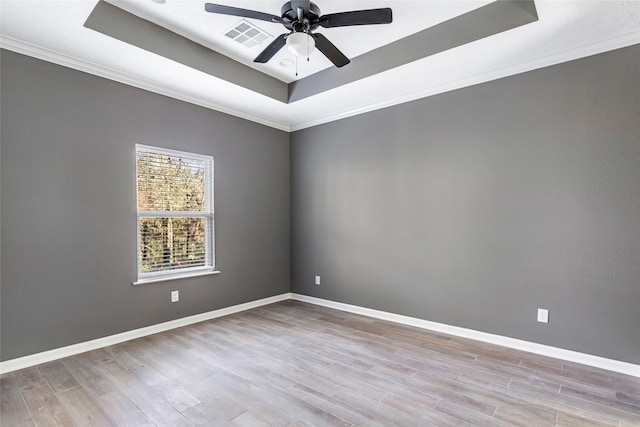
x=175, y=277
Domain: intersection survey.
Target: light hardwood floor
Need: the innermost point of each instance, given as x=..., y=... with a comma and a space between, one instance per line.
x=296, y=364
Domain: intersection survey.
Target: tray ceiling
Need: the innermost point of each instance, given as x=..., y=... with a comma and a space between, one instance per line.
x=431, y=47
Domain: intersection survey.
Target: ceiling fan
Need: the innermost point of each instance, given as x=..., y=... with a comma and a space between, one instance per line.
x=301, y=18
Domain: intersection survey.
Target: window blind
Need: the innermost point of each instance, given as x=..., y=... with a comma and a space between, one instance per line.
x=175, y=211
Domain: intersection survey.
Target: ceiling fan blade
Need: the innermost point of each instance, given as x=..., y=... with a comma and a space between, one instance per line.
x=357, y=17
x=272, y=49
x=244, y=13
x=330, y=51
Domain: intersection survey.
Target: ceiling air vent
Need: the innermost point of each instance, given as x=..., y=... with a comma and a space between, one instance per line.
x=247, y=34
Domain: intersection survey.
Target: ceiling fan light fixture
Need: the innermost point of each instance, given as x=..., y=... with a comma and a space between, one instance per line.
x=300, y=44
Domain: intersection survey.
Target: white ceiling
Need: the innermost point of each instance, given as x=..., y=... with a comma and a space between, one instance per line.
x=53, y=30
x=187, y=18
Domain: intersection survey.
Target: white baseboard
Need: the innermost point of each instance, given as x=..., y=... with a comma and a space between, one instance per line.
x=59, y=353
x=545, y=350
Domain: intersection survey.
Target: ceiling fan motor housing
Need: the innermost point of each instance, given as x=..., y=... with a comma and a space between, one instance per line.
x=290, y=19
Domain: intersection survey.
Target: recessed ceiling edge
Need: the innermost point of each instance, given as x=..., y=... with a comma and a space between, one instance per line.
x=494, y=18
x=488, y=20
x=129, y=28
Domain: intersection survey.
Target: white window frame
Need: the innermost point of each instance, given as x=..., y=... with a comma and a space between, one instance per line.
x=208, y=214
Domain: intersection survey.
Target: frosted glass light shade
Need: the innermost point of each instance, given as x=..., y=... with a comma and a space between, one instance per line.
x=300, y=44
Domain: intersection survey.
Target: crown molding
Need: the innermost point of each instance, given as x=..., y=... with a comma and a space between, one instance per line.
x=38, y=52
x=573, y=54
x=68, y=61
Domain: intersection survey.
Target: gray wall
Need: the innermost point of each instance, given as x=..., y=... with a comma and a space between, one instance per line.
x=471, y=208
x=69, y=216
x=476, y=207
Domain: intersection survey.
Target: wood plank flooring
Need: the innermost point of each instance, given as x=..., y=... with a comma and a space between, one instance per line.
x=296, y=364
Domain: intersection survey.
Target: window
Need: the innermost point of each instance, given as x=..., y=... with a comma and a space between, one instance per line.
x=175, y=214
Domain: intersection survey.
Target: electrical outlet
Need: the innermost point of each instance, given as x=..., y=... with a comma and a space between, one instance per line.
x=543, y=315
x=175, y=296
x=317, y=280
